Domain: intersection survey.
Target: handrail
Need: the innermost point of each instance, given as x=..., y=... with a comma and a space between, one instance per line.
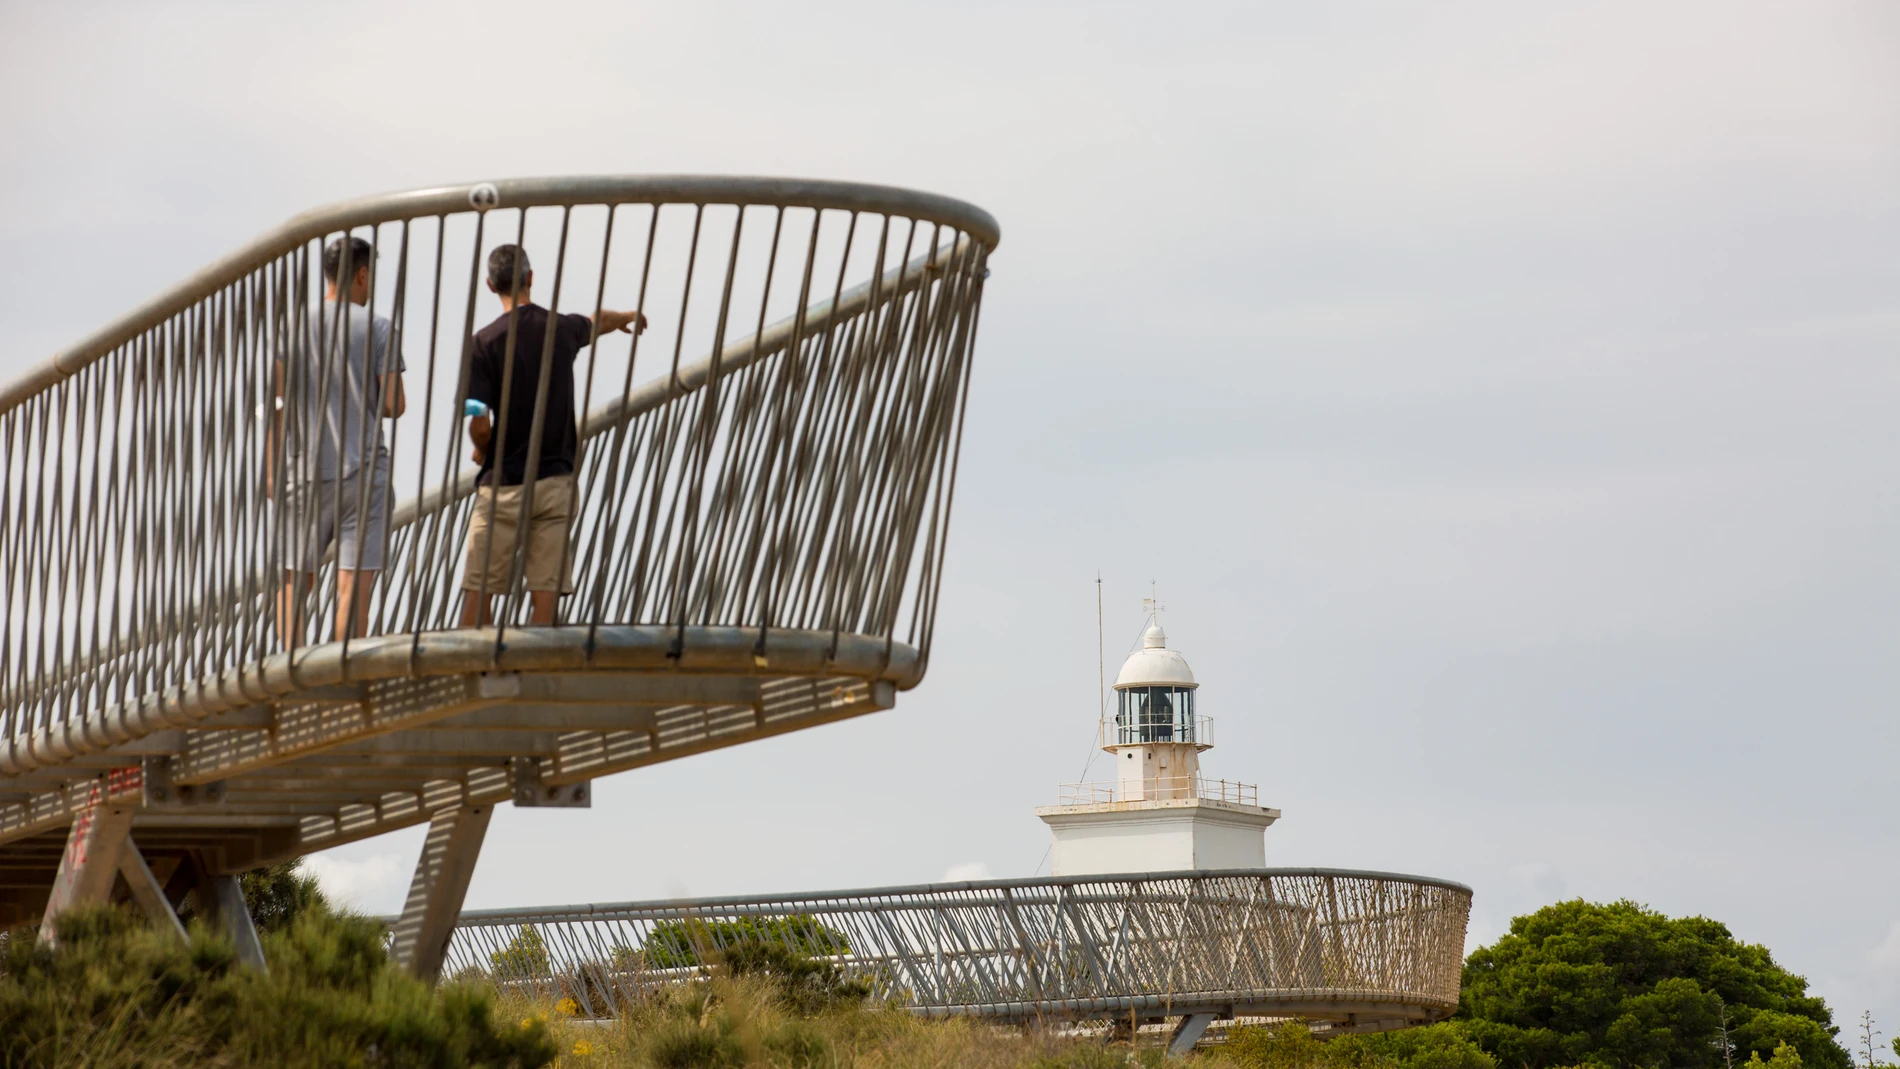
x=697, y=906
x=488, y=196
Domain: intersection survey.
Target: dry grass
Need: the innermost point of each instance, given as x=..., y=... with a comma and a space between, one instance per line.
x=744, y=1023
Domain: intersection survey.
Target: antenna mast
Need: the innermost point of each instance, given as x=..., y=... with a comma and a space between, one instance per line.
x=1101, y=664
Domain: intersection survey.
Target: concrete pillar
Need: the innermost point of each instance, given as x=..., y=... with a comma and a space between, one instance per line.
x=421, y=939
x=147, y=891
x=91, y=861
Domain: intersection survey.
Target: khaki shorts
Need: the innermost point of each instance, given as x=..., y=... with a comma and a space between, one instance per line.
x=548, y=562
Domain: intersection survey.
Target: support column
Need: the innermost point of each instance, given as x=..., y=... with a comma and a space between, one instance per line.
x=220, y=900
x=421, y=939
x=1188, y=1033
x=147, y=892
x=91, y=861
x=225, y=897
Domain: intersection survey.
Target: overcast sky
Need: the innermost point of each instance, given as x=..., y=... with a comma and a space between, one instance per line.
x=1502, y=396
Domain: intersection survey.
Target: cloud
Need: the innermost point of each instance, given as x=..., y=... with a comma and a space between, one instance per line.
x=966, y=870
x=373, y=884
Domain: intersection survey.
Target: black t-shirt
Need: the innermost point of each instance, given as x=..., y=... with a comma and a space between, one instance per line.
x=560, y=435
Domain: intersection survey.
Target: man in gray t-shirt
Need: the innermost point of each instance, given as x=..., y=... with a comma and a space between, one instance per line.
x=339, y=381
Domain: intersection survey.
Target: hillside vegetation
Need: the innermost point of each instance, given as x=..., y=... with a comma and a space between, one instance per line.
x=1612, y=986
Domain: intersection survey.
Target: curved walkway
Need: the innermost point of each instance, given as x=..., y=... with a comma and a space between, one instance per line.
x=1363, y=950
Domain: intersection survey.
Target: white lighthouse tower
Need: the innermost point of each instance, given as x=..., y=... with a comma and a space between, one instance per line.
x=1158, y=813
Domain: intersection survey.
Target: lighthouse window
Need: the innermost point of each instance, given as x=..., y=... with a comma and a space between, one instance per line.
x=1155, y=714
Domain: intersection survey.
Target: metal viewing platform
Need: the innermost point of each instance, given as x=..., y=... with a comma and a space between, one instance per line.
x=763, y=491
x=1361, y=951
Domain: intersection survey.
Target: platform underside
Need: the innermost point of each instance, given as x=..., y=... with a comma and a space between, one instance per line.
x=338, y=752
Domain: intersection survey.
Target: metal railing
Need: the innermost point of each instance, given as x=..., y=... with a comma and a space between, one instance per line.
x=1108, y=792
x=776, y=453
x=1116, y=731
x=1319, y=943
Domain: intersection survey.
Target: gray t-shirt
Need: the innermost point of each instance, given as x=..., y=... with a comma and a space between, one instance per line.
x=337, y=399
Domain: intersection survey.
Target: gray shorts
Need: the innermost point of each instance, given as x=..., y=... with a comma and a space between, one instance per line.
x=359, y=527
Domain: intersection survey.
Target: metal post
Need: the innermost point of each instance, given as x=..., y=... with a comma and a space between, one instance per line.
x=421, y=938
x=91, y=860
x=147, y=892
x=1188, y=1033
x=223, y=898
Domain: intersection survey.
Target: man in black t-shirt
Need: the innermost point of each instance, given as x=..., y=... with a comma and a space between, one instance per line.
x=509, y=388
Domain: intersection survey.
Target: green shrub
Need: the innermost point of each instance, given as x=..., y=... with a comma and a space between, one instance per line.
x=1293, y=1046
x=1284, y=1046
x=1438, y=1046
x=525, y=955
x=117, y=993
x=805, y=985
x=679, y=944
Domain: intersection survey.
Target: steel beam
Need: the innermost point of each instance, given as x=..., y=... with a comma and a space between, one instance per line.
x=390, y=706
x=1188, y=1033
x=420, y=940
x=221, y=897
x=631, y=689
x=554, y=716
x=147, y=891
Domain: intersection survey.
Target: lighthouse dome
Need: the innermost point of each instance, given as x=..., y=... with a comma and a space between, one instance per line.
x=1154, y=664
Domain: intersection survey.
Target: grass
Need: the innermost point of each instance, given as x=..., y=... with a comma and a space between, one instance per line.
x=748, y=1022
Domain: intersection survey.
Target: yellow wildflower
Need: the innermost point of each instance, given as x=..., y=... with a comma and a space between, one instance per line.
x=583, y=1048
x=568, y=1007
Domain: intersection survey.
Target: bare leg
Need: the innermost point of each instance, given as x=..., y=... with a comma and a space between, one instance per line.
x=353, y=592
x=477, y=611
x=290, y=607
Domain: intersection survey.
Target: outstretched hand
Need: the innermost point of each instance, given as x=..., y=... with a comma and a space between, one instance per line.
x=624, y=322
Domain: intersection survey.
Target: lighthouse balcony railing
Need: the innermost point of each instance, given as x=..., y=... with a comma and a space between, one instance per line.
x=1121, y=730
x=1164, y=788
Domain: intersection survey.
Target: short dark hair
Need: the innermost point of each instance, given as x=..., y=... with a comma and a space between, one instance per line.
x=508, y=268
x=361, y=253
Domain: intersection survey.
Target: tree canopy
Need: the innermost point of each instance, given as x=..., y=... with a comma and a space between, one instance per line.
x=1626, y=987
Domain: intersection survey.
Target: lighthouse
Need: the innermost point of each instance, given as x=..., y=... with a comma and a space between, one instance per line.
x=1159, y=812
